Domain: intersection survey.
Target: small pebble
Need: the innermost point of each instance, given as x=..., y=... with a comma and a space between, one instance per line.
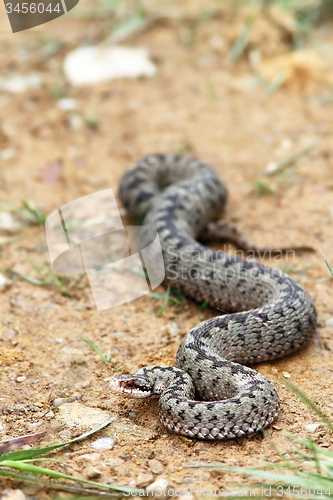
x=67, y=104
x=58, y=401
x=286, y=375
x=82, y=385
x=159, y=485
x=132, y=414
x=36, y=425
x=105, y=443
x=75, y=121
x=188, y=480
x=216, y=43
x=79, y=417
x=311, y=428
x=117, y=334
x=155, y=466
x=7, y=154
x=144, y=478
x=4, y=282
x=8, y=223
x=205, y=61
x=92, y=457
x=21, y=379
x=55, y=426
x=329, y=322
x=92, y=472
x=49, y=414
x=12, y=495
x=172, y=328
x=115, y=462
x=65, y=435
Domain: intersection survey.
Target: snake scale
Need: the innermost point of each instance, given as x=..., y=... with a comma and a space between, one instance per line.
x=210, y=394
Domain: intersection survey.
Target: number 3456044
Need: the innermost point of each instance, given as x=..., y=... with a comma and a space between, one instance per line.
x=25, y=8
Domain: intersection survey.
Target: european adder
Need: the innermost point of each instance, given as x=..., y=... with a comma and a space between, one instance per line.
x=211, y=394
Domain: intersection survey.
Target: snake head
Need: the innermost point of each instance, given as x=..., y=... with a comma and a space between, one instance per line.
x=133, y=386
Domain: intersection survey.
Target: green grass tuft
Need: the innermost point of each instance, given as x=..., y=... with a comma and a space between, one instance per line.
x=105, y=357
x=64, y=284
x=19, y=465
x=167, y=298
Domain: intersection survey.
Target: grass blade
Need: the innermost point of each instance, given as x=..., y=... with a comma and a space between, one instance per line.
x=165, y=303
x=311, y=404
x=78, y=281
x=172, y=300
x=38, y=217
x=279, y=166
x=240, y=44
x=29, y=279
x=204, y=305
x=326, y=262
x=20, y=460
x=38, y=270
x=58, y=486
x=28, y=454
x=35, y=469
x=93, y=346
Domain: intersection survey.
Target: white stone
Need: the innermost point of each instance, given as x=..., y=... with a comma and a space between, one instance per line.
x=90, y=65
x=16, y=83
x=8, y=223
x=78, y=416
x=311, y=428
x=160, y=485
x=12, y=495
x=4, y=282
x=67, y=104
x=104, y=443
x=329, y=322
x=7, y=154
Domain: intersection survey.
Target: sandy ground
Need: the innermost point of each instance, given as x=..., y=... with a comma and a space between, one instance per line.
x=200, y=104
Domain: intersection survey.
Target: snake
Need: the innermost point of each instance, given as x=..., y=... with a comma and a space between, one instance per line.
x=212, y=393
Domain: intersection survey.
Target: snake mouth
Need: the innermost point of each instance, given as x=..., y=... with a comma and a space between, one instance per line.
x=131, y=386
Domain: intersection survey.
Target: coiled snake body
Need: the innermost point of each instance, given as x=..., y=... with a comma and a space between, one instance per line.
x=211, y=394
